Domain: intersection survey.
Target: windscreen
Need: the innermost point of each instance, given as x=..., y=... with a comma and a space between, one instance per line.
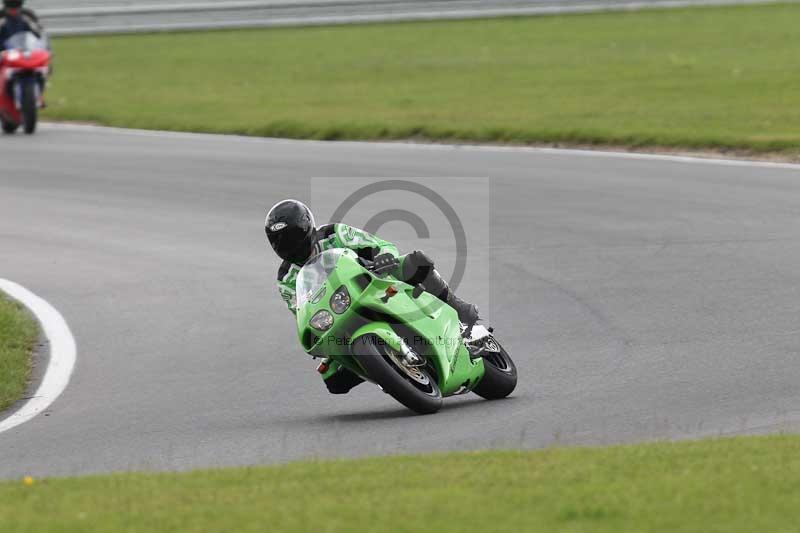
x=26, y=41
x=315, y=273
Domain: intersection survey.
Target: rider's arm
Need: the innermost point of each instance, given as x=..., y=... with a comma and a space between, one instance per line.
x=359, y=240
x=287, y=276
x=29, y=13
x=288, y=296
x=33, y=22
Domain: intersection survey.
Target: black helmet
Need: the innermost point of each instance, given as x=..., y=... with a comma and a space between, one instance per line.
x=11, y=4
x=291, y=231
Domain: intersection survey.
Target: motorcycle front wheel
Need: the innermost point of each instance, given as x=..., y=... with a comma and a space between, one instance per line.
x=29, y=105
x=414, y=387
x=9, y=127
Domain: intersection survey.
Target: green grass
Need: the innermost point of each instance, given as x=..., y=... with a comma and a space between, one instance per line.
x=18, y=334
x=700, y=78
x=725, y=485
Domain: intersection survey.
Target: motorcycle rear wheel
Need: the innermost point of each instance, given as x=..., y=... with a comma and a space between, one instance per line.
x=417, y=389
x=500, y=374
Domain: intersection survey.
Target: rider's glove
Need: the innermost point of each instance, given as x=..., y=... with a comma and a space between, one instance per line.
x=384, y=264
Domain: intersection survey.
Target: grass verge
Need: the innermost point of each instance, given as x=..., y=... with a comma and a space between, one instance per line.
x=702, y=78
x=18, y=335
x=727, y=485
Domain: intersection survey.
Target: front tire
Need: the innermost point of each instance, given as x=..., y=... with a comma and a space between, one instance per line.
x=415, y=388
x=9, y=127
x=30, y=107
x=500, y=373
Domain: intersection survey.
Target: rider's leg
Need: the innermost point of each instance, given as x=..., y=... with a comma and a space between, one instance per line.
x=339, y=380
x=417, y=268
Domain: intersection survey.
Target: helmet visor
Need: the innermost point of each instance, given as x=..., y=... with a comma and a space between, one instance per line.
x=292, y=244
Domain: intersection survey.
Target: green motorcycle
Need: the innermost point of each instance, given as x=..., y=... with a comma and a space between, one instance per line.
x=405, y=340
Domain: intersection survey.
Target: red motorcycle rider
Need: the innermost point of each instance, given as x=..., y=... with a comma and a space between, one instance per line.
x=24, y=67
x=14, y=19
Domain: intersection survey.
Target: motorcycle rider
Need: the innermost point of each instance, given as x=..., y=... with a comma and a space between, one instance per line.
x=293, y=235
x=15, y=19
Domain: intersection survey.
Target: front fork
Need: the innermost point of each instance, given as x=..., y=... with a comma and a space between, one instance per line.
x=16, y=91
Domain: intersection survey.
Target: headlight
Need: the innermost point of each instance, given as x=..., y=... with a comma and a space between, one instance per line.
x=322, y=320
x=340, y=300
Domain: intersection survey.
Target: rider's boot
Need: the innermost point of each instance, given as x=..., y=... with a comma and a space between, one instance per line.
x=467, y=312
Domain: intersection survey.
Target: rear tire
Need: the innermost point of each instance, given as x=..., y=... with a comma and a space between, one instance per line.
x=30, y=107
x=500, y=374
x=9, y=127
x=376, y=358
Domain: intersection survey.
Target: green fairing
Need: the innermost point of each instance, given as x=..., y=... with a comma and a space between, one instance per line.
x=429, y=325
x=343, y=236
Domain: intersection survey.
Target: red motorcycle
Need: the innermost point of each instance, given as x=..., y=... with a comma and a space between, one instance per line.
x=24, y=69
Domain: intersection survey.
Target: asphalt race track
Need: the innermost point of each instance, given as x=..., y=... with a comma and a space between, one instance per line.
x=642, y=298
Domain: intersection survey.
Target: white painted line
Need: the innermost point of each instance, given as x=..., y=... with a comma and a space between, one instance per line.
x=62, y=354
x=571, y=152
